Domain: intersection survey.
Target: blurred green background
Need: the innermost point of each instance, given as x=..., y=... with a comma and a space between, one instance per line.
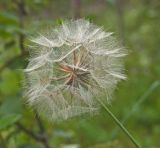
x=136, y=101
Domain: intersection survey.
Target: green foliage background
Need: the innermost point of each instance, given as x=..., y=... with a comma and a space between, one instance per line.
x=135, y=22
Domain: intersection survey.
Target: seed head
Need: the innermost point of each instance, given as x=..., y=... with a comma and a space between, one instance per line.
x=70, y=66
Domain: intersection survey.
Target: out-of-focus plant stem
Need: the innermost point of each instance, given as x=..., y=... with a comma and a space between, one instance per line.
x=22, y=13
x=41, y=136
x=119, y=4
x=42, y=131
x=38, y=137
x=76, y=8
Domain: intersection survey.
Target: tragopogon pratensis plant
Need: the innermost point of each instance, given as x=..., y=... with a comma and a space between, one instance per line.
x=70, y=66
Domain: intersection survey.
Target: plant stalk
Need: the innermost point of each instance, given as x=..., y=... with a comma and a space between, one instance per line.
x=119, y=124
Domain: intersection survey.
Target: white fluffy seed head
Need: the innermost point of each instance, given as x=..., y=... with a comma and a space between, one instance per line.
x=70, y=66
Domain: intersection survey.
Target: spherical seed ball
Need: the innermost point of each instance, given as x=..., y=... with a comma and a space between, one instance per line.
x=70, y=66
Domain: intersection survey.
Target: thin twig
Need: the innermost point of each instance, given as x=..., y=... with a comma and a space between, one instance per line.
x=28, y=132
x=41, y=137
x=76, y=6
x=42, y=131
x=22, y=13
x=120, y=19
x=37, y=137
x=40, y=124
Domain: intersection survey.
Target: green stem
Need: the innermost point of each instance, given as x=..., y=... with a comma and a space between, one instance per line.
x=119, y=124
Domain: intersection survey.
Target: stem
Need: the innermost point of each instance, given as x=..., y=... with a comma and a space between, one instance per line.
x=76, y=6
x=119, y=124
x=22, y=13
x=42, y=131
x=37, y=137
x=27, y=131
x=119, y=4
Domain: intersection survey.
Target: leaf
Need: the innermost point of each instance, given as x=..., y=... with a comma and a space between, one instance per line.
x=9, y=25
x=8, y=120
x=59, y=21
x=10, y=82
x=8, y=18
x=11, y=105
